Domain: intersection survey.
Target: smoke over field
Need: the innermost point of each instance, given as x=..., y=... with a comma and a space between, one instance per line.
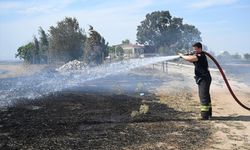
x=49, y=80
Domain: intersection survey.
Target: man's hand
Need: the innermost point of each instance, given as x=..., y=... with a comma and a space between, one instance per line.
x=181, y=55
x=190, y=58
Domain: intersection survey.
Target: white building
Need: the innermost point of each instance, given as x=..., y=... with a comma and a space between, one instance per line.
x=132, y=50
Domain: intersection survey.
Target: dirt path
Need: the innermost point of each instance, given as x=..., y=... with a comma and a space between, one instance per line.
x=230, y=123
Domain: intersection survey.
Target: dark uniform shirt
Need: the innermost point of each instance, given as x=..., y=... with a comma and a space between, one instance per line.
x=201, y=66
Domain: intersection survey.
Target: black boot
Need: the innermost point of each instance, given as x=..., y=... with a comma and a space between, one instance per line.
x=204, y=115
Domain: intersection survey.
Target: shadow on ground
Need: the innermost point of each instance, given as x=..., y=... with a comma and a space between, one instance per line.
x=75, y=120
x=232, y=118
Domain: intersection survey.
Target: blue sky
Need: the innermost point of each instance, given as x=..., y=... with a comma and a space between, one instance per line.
x=224, y=24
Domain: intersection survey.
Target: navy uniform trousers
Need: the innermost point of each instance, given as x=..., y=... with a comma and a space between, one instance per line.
x=204, y=95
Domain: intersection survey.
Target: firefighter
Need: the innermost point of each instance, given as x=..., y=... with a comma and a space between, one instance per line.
x=202, y=78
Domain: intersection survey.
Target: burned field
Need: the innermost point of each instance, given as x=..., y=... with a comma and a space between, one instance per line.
x=132, y=116
x=92, y=121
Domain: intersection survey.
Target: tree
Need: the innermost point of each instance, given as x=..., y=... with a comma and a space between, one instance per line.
x=111, y=49
x=247, y=56
x=161, y=31
x=36, y=53
x=26, y=52
x=119, y=51
x=236, y=56
x=126, y=41
x=96, y=48
x=43, y=46
x=190, y=35
x=66, y=40
x=224, y=56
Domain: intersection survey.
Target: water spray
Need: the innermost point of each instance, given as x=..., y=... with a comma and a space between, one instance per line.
x=226, y=81
x=44, y=83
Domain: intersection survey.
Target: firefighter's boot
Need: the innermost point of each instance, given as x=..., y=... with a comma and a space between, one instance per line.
x=205, y=113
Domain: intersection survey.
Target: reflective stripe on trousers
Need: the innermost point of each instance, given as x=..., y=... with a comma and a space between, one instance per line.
x=206, y=107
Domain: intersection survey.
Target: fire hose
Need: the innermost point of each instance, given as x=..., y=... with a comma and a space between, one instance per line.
x=226, y=81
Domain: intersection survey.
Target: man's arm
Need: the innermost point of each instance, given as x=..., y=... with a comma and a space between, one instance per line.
x=190, y=58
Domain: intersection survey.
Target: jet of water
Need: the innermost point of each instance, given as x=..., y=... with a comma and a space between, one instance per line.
x=44, y=83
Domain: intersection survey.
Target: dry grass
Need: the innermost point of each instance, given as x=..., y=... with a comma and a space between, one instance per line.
x=20, y=70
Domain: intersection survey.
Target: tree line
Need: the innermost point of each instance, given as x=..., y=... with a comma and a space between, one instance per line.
x=159, y=32
x=226, y=56
x=65, y=42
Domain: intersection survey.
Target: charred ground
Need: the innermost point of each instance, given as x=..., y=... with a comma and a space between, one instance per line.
x=75, y=120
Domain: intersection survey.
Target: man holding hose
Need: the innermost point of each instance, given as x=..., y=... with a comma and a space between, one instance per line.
x=202, y=78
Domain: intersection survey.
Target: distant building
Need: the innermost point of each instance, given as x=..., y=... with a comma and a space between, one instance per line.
x=131, y=50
